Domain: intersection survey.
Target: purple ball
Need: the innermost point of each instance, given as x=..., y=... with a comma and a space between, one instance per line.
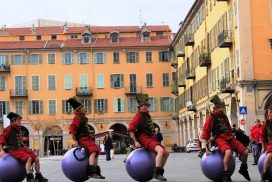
x=11, y=169
x=212, y=165
x=261, y=163
x=140, y=164
x=74, y=169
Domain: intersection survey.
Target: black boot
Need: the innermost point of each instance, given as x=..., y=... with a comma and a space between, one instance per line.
x=158, y=174
x=244, y=172
x=92, y=172
x=226, y=176
x=264, y=176
x=30, y=178
x=98, y=171
x=40, y=178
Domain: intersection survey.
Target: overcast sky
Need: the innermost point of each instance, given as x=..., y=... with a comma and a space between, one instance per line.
x=96, y=12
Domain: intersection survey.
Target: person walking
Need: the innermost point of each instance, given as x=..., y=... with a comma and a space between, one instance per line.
x=108, y=146
x=255, y=138
x=141, y=130
x=158, y=135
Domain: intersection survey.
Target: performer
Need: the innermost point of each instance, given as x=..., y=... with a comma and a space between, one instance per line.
x=13, y=140
x=218, y=125
x=141, y=130
x=81, y=134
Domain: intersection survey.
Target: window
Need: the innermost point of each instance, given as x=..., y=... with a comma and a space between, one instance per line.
x=38, y=37
x=148, y=57
x=165, y=79
x=153, y=104
x=116, y=58
x=66, y=108
x=167, y=104
x=118, y=105
x=67, y=58
x=100, y=105
x=149, y=80
x=99, y=81
x=117, y=81
x=52, y=107
x=35, y=80
x=19, y=107
x=2, y=83
x=132, y=57
x=53, y=37
x=83, y=79
x=132, y=105
x=18, y=59
x=114, y=37
x=87, y=104
x=67, y=82
x=238, y=62
x=51, y=58
x=164, y=56
x=51, y=82
x=159, y=34
x=146, y=36
x=35, y=107
x=35, y=59
x=236, y=14
x=83, y=58
x=4, y=108
x=86, y=38
x=21, y=37
x=99, y=57
x=74, y=36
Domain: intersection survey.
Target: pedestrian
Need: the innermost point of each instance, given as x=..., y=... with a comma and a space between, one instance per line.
x=217, y=125
x=255, y=138
x=266, y=139
x=12, y=140
x=141, y=130
x=108, y=146
x=158, y=135
x=81, y=135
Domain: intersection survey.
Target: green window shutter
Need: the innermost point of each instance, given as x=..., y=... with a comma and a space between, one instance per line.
x=95, y=58
x=40, y=58
x=128, y=102
x=24, y=82
x=95, y=106
x=122, y=105
x=63, y=58
x=41, y=106
x=30, y=107
x=7, y=107
x=104, y=57
x=72, y=58
x=161, y=102
x=122, y=80
x=106, y=105
x=115, y=104
x=63, y=106
x=89, y=106
x=155, y=104
x=111, y=81
x=24, y=58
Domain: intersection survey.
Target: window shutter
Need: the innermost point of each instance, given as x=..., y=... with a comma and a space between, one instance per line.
x=63, y=106
x=171, y=104
x=23, y=59
x=95, y=57
x=72, y=58
x=155, y=104
x=128, y=102
x=106, y=105
x=137, y=56
x=41, y=106
x=161, y=101
x=63, y=58
x=30, y=107
x=95, y=106
x=115, y=104
x=89, y=106
x=40, y=58
x=12, y=60
x=122, y=105
x=111, y=81
x=7, y=107
x=24, y=83
x=104, y=57
x=121, y=80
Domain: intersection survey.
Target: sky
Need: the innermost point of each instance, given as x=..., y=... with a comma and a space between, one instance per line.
x=97, y=12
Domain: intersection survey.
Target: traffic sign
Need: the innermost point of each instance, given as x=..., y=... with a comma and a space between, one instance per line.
x=242, y=122
x=243, y=109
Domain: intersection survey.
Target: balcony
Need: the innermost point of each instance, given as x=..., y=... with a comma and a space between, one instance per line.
x=181, y=54
x=190, y=74
x=84, y=91
x=204, y=59
x=133, y=89
x=174, y=89
x=18, y=93
x=182, y=84
x=189, y=40
x=225, y=39
x=174, y=64
x=4, y=68
x=226, y=86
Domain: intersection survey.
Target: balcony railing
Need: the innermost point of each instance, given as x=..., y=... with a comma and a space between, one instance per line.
x=174, y=89
x=4, y=68
x=189, y=40
x=174, y=64
x=204, y=59
x=226, y=86
x=225, y=39
x=190, y=74
x=18, y=93
x=84, y=91
x=181, y=54
x=133, y=89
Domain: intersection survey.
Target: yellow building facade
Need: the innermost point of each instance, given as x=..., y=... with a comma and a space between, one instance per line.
x=42, y=67
x=223, y=47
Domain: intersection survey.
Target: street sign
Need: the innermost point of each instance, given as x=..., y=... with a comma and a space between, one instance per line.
x=242, y=122
x=243, y=109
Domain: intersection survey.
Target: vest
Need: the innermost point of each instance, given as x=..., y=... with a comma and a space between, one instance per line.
x=221, y=125
x=84, y=128
x=15, y=139
x=269, y=130
x=146, y=125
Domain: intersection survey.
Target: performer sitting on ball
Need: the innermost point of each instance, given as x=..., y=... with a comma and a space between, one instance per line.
x=142, y=132
x=81, y=134
x=218, y=125
x=12, y=138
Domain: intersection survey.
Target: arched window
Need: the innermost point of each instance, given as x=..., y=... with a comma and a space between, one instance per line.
x=114, y=36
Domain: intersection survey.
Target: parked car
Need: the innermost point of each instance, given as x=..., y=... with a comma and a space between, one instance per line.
x=192, y=145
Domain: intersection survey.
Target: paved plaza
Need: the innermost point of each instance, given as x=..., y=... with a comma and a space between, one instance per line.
x=180, y=167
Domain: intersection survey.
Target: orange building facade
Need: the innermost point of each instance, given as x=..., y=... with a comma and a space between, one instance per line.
x=41, y=67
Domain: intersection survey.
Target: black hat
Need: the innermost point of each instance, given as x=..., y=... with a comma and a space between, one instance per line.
x=13, y=116
x=75, y=103
x=142, y=99
x=217, y=102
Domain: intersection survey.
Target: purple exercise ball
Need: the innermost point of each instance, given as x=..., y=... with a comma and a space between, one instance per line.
x=212, y=165
x=11, y=169
x=74, y=169
x=140, y=164
x=261, y=163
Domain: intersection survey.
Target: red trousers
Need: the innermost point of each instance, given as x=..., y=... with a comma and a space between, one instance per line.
x=23, y=154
